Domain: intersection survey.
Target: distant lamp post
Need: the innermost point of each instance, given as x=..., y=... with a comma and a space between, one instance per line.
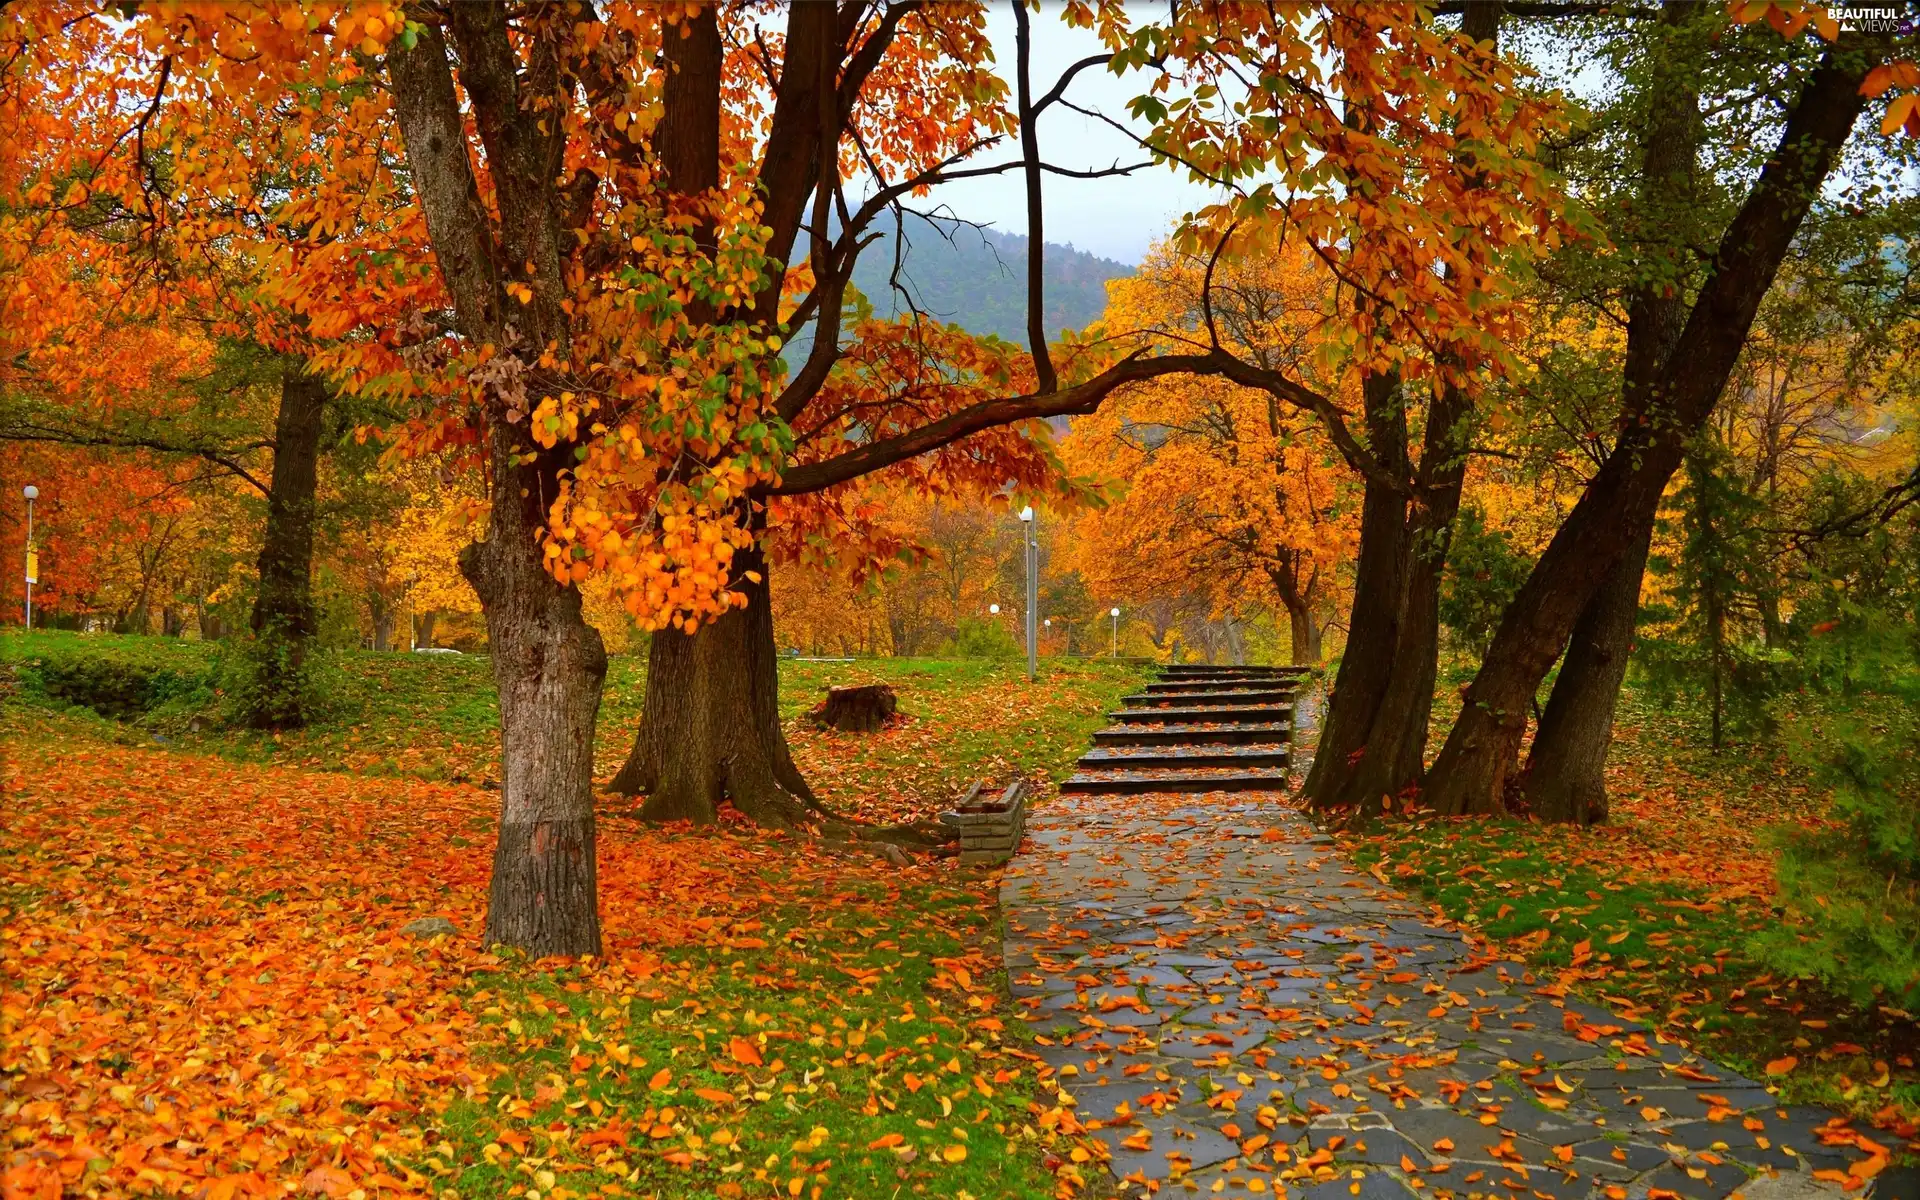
x=994, y=609
x=1115, y=614
x=1033, y=592
x=412, y=633
x=32, y=493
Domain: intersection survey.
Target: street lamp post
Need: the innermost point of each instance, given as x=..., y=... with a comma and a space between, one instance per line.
x=1033, y=592
x=32, y=493
x=1115, y=614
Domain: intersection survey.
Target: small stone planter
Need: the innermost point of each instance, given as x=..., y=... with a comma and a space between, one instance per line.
x=990, y=828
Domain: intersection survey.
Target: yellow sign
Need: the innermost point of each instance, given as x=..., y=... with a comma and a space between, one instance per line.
x=33, y=566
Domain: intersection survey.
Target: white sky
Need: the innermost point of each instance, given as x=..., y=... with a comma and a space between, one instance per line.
x=1115, y=218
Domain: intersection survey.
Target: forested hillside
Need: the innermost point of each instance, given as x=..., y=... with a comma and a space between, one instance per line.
x=976, y=278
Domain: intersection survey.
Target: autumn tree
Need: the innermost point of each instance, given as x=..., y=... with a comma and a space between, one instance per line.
x=1226, y=489
x=1440, y=205
x=157, y=206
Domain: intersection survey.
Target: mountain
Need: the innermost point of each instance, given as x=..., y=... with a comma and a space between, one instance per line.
x=977, y=279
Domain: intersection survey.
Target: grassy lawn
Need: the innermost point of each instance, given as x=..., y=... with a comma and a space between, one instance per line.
x=435, y=717
x=1654, y=912
x=210, y=990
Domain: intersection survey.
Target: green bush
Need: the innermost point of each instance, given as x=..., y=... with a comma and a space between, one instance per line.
x=1483, y=573
x=1850, y=890
x=123, y=679
x=980, y=639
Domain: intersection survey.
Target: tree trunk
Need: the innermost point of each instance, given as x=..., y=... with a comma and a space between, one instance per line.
x=1470, y=774
x=283, y=618
x=1303, y=635
x=1395, y=754
x=423, y=634
x=548, y=665
x=382, y=624
x=1372, y=625
x=1566, y=771
x=710, y=728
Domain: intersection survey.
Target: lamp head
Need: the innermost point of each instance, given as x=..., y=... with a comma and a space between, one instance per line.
x=30, y=492
x=994, y=609
x=1114, y=613
x=1026, y=514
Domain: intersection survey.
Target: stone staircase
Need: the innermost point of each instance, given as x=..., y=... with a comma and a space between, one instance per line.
x=1197, y=728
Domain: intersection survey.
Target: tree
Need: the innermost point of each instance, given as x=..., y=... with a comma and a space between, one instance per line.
x=1227, y=491
x=1620, y=503
x=1441, y=207
x=162, y=207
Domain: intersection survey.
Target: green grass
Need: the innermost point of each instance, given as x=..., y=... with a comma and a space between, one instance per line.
x=436, y=717
x=861, y=1031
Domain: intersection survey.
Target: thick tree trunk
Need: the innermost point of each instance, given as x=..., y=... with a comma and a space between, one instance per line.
x=549, y=665
x=283, y=617
x=1566, y=770
x=1470, y=774
x=1396, y=744
x=710, y=729
x=423, y=629
x=1303, y=634
x=1373, y=624
x=1395, y=754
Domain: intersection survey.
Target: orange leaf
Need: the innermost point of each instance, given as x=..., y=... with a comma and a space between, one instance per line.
x=661, y=1078
x=744, y=1051
x=1780, y=1066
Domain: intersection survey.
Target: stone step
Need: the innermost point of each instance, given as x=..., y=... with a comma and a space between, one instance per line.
x=1111, y=782
x=1131, y=757
x=1189, y=716
x=1161, y=687
x=1179, y=670
x=1223, y=734
x=1214, y=699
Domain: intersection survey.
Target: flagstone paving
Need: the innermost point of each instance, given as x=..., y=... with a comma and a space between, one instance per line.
x=1237, y=1011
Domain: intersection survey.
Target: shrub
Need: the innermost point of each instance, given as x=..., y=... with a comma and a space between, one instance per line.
x=1483, y=573
x=1850, y=890
x=975, y=638
x=123, y=679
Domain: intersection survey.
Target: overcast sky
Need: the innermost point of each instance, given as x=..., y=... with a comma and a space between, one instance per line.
x=1114, y=218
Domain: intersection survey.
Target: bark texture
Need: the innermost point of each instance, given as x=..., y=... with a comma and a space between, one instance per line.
x=547, y=662
x=710, y=728
x=1471, y=771
x=1373, y=624
x=1565, y=779
x=283, y=616
x=861, y=708
x=1566, y=769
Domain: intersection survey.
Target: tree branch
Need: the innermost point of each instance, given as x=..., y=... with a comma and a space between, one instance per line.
x=1079, y=399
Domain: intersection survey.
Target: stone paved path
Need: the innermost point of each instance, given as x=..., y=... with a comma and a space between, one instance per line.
x=1237, y=1011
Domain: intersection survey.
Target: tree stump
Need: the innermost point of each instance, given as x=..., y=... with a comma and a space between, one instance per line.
x=861, y=708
